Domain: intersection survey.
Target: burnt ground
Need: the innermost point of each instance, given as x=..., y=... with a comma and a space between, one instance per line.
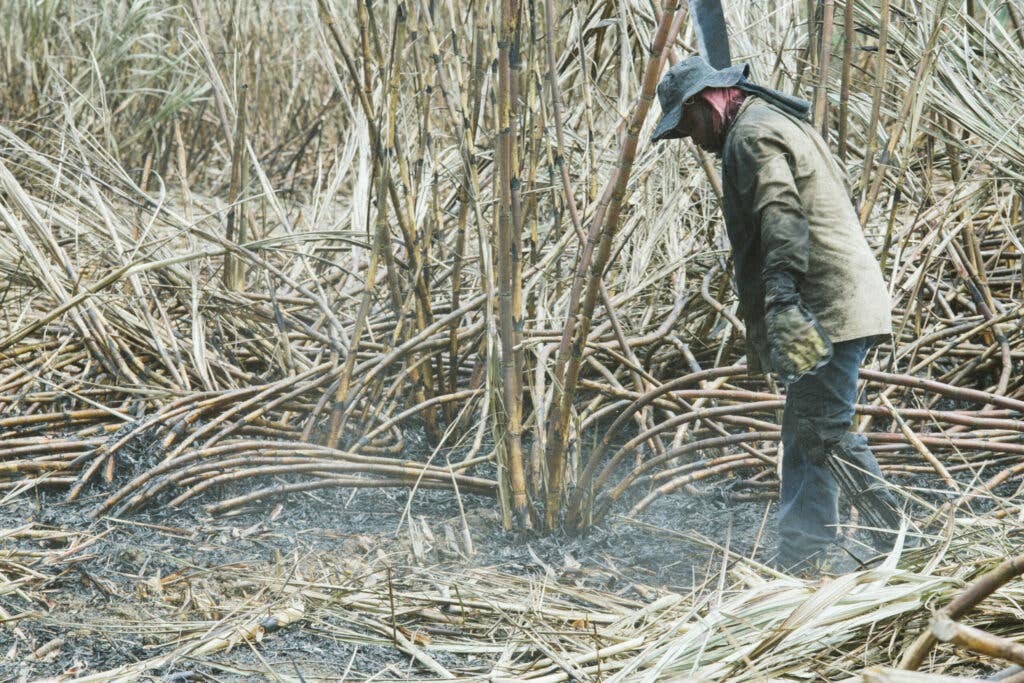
x=617, y=556
x=671, y=545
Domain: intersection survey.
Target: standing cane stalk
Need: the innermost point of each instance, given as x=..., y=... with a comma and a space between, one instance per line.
x=876, y=102
x=602, y=232
x=844, y=88
x=920, y=81
x=234, y=273
x=507, y=301
x=821, y=99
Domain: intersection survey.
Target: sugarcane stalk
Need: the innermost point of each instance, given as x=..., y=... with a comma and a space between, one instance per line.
x=602, y=233
x=415, y=241
x=920, y=78
x=341, y=395
x=946, y=630
x=234, y=270
x=876, y=101
x=551, y=76
x=967, y=600
x=844, y=88
x=821, y=96
x=389, y=146
x=511, y=422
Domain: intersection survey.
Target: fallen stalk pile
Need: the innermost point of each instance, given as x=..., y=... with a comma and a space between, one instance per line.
x=382, y=262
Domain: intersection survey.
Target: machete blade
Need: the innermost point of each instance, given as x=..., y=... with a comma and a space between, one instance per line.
x=712, y=37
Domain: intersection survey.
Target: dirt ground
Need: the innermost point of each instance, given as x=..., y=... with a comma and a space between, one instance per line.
x=620, y=556
x=96, y=608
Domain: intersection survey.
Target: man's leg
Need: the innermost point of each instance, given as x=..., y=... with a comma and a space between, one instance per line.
x=819, y=410
x=856, y=470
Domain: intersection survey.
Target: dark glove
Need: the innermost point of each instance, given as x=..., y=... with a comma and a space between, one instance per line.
x=797, y=344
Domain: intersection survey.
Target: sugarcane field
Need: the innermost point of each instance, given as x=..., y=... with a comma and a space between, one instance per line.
x=524, y=340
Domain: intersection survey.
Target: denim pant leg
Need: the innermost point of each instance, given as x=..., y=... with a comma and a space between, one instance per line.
x=819, y=409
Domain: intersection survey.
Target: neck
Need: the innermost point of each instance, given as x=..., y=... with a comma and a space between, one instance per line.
x=727, y=113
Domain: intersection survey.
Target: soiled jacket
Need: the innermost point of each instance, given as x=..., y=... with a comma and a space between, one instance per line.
x=787, y=207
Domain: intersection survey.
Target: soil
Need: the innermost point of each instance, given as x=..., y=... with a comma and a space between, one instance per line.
x=674, y=544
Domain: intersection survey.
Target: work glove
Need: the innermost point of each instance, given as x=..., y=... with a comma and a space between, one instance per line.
x=797, y=344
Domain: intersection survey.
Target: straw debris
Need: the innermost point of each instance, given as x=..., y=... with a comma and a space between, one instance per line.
x=255, y=251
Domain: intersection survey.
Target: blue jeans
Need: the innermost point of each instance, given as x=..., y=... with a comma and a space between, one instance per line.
x=819, y=411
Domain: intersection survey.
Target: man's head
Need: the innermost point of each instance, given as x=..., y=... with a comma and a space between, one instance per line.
x=694, y=99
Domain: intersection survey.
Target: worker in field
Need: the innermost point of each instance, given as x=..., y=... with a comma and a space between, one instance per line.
x=810, y=291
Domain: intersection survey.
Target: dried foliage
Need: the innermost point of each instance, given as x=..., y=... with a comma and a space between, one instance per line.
x=311, y=244
x=234, y=235
x=749, y=623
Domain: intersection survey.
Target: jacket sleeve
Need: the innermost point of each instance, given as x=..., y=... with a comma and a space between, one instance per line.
x=776, y=209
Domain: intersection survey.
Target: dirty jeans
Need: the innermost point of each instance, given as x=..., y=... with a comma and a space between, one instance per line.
x=819, y=410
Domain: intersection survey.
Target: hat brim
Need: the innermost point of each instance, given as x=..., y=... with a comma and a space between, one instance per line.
x=667, y=127
x=724, y=78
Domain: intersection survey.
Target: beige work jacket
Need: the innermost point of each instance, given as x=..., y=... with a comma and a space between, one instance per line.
x=787, y=206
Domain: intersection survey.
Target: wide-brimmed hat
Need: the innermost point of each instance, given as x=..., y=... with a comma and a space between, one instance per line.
x=683, y=81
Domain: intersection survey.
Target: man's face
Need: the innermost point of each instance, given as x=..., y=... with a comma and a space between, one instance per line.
x=697, y=122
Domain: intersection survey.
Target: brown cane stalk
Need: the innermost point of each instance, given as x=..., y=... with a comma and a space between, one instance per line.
x=403, y=208
x=844, y=89
x=983, y=587
x=603, y=234
x=948, y=631
x=821, y=97
x=415, y=240
x=234, y=270
x=920, y=78
x=510, y=421
x=341, y=395
x=876, y=99
x=574, y=215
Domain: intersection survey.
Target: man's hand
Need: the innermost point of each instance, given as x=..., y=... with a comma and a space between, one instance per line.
x=797, y=343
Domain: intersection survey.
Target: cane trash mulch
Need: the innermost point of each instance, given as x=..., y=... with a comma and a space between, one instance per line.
x=389, y=610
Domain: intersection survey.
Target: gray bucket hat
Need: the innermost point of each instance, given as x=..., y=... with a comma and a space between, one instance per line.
x=683, y=81
x=690, y=76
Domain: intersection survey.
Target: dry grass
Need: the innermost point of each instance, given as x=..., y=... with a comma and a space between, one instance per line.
x=284, y=287
x=747, y=623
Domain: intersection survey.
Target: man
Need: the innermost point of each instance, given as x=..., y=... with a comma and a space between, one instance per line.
x=810, y=291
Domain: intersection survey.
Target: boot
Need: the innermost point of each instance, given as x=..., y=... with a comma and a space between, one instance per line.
x=808, y=565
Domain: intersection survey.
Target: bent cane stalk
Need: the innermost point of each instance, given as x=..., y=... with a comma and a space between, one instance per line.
x=983, y=587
